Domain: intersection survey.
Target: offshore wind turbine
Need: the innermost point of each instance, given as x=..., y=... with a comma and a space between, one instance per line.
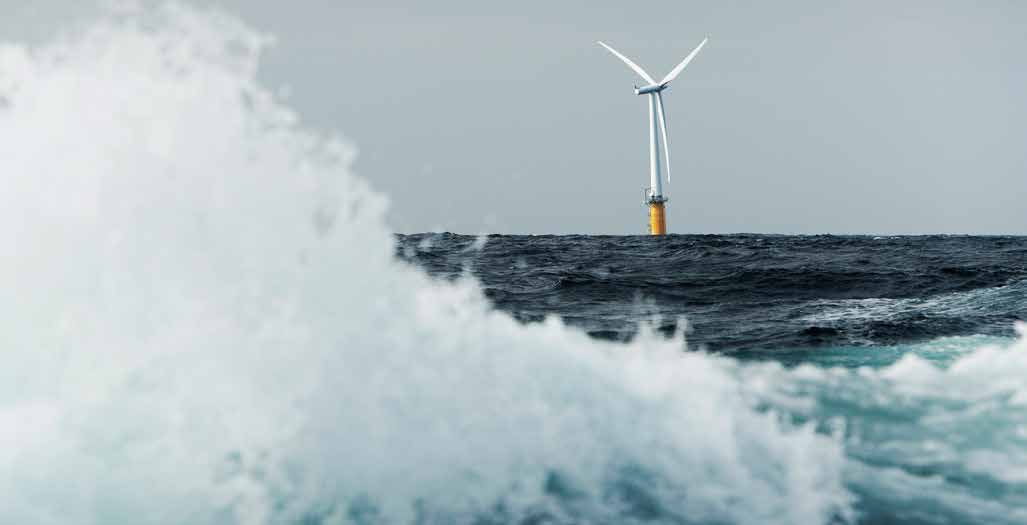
x=654, y=197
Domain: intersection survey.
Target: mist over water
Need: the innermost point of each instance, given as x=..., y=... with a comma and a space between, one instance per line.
x=205, y=323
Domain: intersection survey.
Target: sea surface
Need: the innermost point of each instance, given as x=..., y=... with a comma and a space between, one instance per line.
x=206, y=320
x=786, y=298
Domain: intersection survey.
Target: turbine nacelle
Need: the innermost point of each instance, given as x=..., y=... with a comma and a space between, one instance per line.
x=651, y=88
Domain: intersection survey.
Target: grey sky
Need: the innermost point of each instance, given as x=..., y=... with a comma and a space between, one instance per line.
x=798, y=117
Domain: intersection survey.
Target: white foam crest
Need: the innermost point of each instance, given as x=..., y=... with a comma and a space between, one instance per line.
x=925, y=442
x=991, y=300
x=205, y=324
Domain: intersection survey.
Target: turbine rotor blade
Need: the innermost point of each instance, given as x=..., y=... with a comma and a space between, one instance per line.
x=663, y=130
x=680, y=67
x=635, y=67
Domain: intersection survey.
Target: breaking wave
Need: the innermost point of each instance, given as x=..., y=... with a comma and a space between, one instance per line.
x=204, y=323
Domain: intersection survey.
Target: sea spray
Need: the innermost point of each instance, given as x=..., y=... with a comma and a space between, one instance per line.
x=204, y=324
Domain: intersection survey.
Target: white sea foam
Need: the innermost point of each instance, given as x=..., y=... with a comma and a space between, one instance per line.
x=204, y=323
x=994, y=300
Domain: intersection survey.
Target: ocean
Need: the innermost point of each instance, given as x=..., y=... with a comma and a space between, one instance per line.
x=206, y=320
x=792, y=299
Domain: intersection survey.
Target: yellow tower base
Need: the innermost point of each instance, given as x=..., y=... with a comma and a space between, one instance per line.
x=657, y=219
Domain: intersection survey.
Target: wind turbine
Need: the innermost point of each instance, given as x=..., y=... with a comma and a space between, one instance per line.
x=654, y=197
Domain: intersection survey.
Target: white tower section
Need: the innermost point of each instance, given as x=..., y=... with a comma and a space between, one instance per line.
x=655, y=180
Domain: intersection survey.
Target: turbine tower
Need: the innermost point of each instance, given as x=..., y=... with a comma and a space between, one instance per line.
x=654, y=197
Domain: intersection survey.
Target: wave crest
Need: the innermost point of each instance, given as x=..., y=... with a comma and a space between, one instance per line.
x=210, y=327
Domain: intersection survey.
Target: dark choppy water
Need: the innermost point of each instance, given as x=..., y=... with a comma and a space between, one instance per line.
x=748, y=294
